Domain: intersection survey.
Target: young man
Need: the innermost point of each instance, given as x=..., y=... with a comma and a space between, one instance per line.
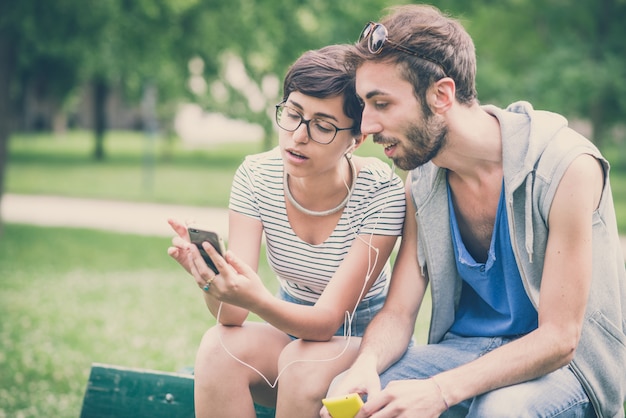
x=510, y=220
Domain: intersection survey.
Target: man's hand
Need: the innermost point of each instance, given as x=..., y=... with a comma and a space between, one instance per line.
x=361, y=378
x=405, y=399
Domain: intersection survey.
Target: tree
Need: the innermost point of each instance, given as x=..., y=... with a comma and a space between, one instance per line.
x=259, y=40
x=35, y=47
x=63, y=44
x=139, y=44
x=7, y=69
x=566, y=58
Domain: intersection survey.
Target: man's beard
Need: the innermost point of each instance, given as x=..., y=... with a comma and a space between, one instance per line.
x=425, y=142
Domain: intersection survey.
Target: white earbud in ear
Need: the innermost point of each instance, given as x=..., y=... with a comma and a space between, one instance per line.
x=351, y=148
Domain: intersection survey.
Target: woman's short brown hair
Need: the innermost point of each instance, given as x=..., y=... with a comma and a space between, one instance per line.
x=323, y=73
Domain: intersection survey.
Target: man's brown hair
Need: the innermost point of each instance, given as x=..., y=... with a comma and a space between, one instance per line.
x=427, y=31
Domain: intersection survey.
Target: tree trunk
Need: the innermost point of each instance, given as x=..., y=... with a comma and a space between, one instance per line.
x=8, y=56
x=100, y=94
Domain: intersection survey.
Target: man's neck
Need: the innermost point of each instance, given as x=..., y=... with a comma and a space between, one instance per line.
x=474, y=146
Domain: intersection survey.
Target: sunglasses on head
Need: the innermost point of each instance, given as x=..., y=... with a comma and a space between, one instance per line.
x=377, y=35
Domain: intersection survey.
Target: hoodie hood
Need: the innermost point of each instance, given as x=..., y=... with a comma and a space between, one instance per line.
x=526, y=133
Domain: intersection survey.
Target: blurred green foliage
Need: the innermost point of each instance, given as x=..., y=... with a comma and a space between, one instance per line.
x=570, y=58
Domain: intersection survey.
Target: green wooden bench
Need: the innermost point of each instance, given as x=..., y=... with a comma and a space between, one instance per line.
x=120, y=392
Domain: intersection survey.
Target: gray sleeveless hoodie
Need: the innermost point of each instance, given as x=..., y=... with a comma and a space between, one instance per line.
x=537, y=148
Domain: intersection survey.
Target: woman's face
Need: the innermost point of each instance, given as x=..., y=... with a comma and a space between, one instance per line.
x=304, y=157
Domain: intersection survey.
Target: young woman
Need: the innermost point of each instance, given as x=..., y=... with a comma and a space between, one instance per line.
x=330, y=220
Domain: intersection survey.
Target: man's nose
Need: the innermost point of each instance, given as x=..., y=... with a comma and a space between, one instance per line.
x=369, y=122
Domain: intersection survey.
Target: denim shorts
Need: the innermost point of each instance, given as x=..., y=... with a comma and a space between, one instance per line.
x=362, y=316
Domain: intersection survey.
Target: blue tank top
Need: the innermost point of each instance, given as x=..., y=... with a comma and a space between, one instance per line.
x=493, y=301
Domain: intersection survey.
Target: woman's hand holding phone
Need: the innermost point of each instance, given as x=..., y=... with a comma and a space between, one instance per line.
x=238, y=283
x=199, y=237
x=194, y=260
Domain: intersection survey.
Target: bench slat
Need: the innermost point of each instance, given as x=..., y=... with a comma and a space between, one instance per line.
x=119, y=392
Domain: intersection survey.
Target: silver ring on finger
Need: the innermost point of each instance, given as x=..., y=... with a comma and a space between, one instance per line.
x=207, y=285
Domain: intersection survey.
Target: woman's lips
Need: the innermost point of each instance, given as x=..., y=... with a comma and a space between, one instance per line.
x=295, y=156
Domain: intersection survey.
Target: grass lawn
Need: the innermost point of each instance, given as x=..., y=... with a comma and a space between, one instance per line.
x=71, y=297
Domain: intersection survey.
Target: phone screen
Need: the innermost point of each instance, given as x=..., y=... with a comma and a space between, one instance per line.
x=198, y=236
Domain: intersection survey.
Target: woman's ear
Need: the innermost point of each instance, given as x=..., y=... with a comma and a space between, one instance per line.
x=358, y=140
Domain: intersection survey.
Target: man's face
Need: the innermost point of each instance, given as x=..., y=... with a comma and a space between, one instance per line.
x=395, y=118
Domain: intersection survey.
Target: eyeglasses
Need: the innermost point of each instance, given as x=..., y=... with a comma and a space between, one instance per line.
x=319, y=130
x=377, y=34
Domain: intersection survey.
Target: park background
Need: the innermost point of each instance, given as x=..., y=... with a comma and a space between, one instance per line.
x=159, y=101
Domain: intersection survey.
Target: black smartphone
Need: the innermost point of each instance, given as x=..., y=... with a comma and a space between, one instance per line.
x=198, y=236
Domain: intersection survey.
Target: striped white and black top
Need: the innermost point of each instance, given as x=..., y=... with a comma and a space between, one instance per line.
x=376, y=206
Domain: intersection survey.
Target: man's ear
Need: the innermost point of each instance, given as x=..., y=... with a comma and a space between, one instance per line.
x=442, y=94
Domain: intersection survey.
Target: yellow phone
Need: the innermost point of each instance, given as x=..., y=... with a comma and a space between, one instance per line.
x=345, y=406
